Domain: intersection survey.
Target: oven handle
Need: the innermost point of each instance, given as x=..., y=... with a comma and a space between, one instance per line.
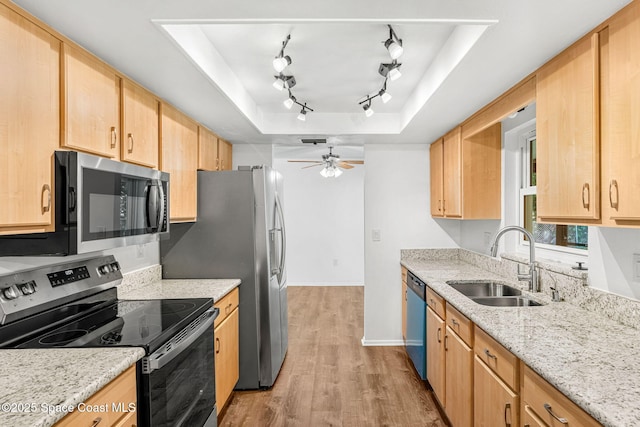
x=161, y=357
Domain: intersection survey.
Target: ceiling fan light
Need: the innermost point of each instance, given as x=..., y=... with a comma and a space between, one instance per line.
x=281, y=62
x=395, y=49
x=324, y=172
x=337, y=173
x=394, y=74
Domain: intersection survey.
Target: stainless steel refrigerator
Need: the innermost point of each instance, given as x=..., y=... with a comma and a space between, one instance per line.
x=240, y=233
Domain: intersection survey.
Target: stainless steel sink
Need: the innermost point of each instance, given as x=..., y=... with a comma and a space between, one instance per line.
x=507, y=302
x=483, y=288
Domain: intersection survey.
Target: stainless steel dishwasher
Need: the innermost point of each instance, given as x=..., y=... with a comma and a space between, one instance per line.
x=416, y=342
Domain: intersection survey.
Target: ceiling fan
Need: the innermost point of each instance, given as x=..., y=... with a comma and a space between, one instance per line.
x=332, y=164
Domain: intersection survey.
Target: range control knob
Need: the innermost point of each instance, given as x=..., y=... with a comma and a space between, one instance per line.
x=27, y=288
x=104, y=269
x=10, y=293
x=115, y=266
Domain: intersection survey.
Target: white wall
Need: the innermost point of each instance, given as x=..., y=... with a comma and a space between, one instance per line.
x=396, y=202
x=252, y=155
x=131, y=258
x=325, y=225
x=611, y=260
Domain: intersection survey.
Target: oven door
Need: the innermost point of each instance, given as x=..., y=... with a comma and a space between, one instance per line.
x=177, y=382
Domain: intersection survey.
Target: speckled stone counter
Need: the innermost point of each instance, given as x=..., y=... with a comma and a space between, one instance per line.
x=182, y=288
x=589, y=357
x=45, y=378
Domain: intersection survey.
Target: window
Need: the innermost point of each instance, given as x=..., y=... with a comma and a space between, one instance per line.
x=550, y=236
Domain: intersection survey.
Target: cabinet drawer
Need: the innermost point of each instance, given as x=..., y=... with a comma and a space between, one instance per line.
x=226, y=305
x=404, y=274
x=121, y=390
x=460, y=325
x=550, y=405
x=530, y=419
x=436, y=302
x=498, y=358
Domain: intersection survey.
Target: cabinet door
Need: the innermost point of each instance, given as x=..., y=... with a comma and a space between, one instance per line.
x=91, y=104
x=452, y=201
x=225, y=154
x=435, y=355
x=227, y=358
x=621, y=116
x=436, y=164
x=459, y=380
x=404, y=311
x=567, y=122
x=29, y=123
x=494, y=403
x=180, y=160
x=207, y=150
x=140, y=125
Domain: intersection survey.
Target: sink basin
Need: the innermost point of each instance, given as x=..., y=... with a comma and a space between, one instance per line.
x=483, y=288
x=506, y=301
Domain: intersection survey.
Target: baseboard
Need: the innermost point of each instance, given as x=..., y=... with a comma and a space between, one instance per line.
x=381, y=343
x=323, y=284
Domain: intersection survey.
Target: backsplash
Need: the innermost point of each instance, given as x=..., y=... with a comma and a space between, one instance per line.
x=571, y=284
x=139, y=278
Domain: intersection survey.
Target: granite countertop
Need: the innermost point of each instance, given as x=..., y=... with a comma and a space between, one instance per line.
x=39, y=386
x=587, y=356
x=181, y=288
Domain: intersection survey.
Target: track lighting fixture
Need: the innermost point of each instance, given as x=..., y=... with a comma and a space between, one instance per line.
x=281, y=61
x=284, y=82
x=390, y=71
x=289, y=101
x=394, y=44
x=383, y=93
x=303, y=114
x=368, y=111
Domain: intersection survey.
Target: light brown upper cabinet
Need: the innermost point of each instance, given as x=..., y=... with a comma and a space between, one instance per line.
x=29, y=123
x=620, y=114
x=139, y=125
x=465, y=174
x=179, y=145
x=567, y=128
x=91, y=104
x=214, y=154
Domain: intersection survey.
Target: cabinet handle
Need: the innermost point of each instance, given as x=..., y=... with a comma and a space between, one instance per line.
x=114, y=137
x=445, y=343
x=489, y=355
x=217, y=345
x=443, y=205
x=405, y=295
x=433, y=303
x=438, y=335
x=507, y=407
x=439, y=205
x=585, y=202
x=559, y=419
x=130, y=138
x=96, y=422
x=46, y=189
x=222, y=164
x=217, y=164
x=613, y=184
x=455, y=323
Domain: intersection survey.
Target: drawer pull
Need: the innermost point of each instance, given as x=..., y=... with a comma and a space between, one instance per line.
x=507, y=407
x=217, y=345
x=613, y=185
x=489, y=355
x=47, y=207
x=559, y=419
x=446, y=337
x=433, y=303
x=455, y=323
x=438, y=335
x=585, y=201
x=114, y=137
x=96, y=422
x=130, y=138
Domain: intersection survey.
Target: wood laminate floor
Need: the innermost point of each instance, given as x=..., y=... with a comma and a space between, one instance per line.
x=329, y=378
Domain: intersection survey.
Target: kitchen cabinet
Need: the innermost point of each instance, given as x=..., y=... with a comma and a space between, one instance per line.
x=458, y=346
x=620, y=115
x=227, y=356
x=29, y=123
x=404, y=303
x=495, y=383
x=436, y=355
x=465, y=174
x=214, y=153
x=90, y=104
x=179, y=157
x=550, y=405
x=530, y=419
x=115, y=404
x=568, y=135
x=140, y=125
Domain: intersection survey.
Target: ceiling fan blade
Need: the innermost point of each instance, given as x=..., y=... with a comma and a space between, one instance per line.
x=345, y=165
x=304, y=161
x=354, y=162
x=312, y=166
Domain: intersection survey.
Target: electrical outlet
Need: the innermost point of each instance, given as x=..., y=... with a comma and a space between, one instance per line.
x=335, y=262
x=375, y=235
x=636, y=267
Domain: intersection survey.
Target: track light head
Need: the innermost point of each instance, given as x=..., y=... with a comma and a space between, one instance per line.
x=393, y=44
x=390, y=71
x=368, y=111
x=281, y=62
x=303, y=115
x=289, y=101
x=384, y=96
x=284, y=82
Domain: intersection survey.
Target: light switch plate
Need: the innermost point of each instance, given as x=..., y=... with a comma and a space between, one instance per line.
x=636, y=267
x=375, y=235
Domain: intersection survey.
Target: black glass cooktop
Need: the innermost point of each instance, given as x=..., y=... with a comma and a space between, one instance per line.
x=100, y=321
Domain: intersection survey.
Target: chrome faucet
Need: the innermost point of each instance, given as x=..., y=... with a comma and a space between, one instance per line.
x=532, y=276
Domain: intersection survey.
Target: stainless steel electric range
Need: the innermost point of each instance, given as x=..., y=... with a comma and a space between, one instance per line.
x=75, y=304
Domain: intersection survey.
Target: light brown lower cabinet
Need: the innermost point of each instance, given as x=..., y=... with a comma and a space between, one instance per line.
x=458, y=380
x=495, y=404
x=530, y=419
x=436, y=355
x=120, y=392
x=226, y=346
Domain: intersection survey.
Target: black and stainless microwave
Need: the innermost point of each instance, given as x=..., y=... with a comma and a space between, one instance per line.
x=99, y=204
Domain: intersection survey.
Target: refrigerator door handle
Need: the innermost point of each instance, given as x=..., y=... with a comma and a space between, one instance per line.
x=283, y=246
